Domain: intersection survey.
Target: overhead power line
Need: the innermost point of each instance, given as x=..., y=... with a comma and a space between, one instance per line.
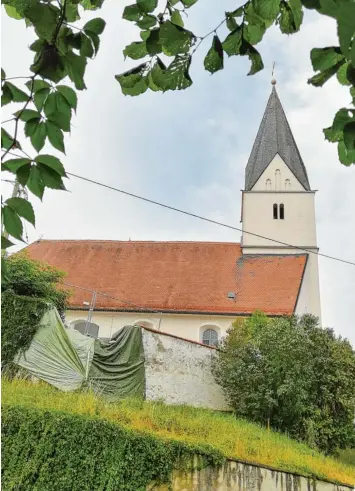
x=209, y=220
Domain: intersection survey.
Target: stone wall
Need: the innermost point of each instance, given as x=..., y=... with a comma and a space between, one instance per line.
x=236, y=476
x=178, y=371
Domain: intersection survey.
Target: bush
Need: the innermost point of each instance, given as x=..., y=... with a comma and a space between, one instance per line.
x=63, y=452
x=30, y=278
x=20, y=320
x=292, y=375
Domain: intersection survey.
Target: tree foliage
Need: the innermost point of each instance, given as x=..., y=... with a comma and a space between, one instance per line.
x=31, y=278
x=292, y=375
x=43, y=108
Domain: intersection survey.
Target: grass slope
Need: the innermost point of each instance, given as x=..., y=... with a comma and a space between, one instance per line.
x=235, y=438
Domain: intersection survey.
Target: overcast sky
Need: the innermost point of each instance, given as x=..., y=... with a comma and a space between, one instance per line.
x=189, y=148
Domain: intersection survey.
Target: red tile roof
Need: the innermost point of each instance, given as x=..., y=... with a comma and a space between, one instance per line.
x=176, y=276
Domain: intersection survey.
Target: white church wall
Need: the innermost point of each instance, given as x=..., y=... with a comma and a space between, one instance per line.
x=272, y=180
x=309, y=297
x=179, y=372
x=297, y=228
x=188, y=326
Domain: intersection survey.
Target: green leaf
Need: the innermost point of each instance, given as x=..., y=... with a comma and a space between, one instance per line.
x=296, y=7
x=62, y=120
x=50, y=106
x=267, y=9
x=23, y=208
x=214, y=58
x=156, y=78
x=71, y=12
x=153, y=42
x=6, y=96
x=349, y=136
x=177, y=74
x=346, y=25
x=76, y=69
x=35, y=183
x=352, y=93
x=322, y=77
x=23, y=174
x=12, y=12
x=12, y=222
x=253, y=33
x=50, y=64
x=53, y=162
x=30, y=126
x=147, y=21
x=17, y=94
x=55, y=136
x=147, y=5
x=95, y=25
x=91, y=4
x=345, y=157
x=86, y=47
x=95, y=40
x=13, y=165
x=39, y=136
x=129, y=79
x=350, y=73
x=37, y=46
x=175, y=39
x=27, y=114
x=3, y=74
x=188, y=3
x=233, y=42
x=132, y=13
x=254, y=57
x=177, y=19
x=139, y=88
x=352, y=54
x=324, y=58
x=44, y=18
x=231, y=23
x=136, y=50
x=252, y=17
x=341, y=74
x=7, y=140
x=40, y=97
x=50, y=178
x=144, y=35
x=69, y=94
x=5, y=243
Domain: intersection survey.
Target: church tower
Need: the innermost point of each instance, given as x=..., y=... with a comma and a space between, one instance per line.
x=278, y=202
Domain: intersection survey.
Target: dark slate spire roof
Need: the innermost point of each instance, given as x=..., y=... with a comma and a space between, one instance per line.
x=274, y=136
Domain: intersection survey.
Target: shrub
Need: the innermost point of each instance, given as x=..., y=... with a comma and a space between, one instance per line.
x=292, y=375
x=64, y=452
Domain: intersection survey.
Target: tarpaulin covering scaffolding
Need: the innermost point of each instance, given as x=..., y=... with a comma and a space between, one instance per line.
x=69, y=360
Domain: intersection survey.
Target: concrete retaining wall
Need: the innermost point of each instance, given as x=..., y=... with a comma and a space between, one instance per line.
x=236, y=476
x=178, y=371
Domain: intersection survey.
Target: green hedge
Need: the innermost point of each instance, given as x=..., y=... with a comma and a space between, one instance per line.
x=20, y=319
x=57, y=451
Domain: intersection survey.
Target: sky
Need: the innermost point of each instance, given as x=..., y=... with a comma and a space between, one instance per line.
x=189, y=148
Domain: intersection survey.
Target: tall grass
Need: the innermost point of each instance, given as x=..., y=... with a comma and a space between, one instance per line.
x=235, y=438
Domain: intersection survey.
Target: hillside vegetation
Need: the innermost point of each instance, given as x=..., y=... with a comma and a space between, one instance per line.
x=222, y=433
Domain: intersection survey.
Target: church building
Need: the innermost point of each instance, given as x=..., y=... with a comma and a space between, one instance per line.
x=195, y=290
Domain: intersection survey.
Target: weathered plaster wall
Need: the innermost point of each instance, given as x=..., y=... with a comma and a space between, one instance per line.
x=236, y=476
x=179, y=372
x=189, y=326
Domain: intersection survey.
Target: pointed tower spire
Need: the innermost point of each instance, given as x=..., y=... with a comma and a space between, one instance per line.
x=274, y=137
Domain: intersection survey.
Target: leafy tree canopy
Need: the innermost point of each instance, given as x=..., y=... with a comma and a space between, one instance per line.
x=30, y=278
x=292, y=375
x=44, y=106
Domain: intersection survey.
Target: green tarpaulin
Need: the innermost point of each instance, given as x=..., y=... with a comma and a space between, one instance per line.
x=69, y=361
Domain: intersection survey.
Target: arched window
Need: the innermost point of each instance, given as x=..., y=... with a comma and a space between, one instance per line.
x=268, y=184
x=91, y=330
x=143, y=323
x=277, y=179
x=275, y=211
x=287, y=184
x=210, y=337
x=282, y=212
